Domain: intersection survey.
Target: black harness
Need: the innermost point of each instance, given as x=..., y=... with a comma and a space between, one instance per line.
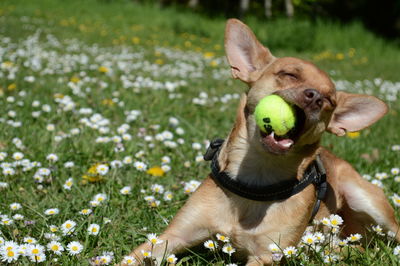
x=314, y=174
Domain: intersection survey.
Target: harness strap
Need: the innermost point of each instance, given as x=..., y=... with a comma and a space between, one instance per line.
x=315, y=174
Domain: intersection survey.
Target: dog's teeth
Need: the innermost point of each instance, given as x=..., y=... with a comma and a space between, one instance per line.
x=287, y=144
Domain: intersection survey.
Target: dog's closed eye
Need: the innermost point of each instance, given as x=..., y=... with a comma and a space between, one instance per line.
x=290, y=75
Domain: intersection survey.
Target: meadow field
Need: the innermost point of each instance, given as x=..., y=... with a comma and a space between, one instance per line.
x=106, y=108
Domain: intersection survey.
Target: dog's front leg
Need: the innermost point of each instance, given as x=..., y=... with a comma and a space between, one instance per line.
x=190, y=226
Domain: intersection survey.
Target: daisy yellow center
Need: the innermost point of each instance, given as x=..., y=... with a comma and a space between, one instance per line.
x=84, y=211
x=74, y=248
x=6, y=222
x=10, y=253
x=170, y=260
x=211, y=245
x=129, y=261
x=154, y=241
x=398, y=200
x=146, y=254
x=35, y=251
x=29, y=241
x=51, y=212
x=222, y=237
x=53, y=229
x=9, y=248
x=229, y=248
x=69, y=183
x=68, y=226
x=334, y=222
x=290, y=252
x=310, y=240
x=55, y=248
x=100, y=199
x=94, y=229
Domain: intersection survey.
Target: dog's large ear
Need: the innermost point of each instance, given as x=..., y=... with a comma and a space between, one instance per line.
x=354, y=112
x=246, y=55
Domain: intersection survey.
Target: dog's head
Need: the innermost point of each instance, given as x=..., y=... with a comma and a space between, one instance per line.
x=318, y=105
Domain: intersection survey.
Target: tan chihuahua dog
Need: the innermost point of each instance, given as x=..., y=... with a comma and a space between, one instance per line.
x=255, y=159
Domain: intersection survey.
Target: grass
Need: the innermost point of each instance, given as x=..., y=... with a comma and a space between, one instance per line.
x=117, y=57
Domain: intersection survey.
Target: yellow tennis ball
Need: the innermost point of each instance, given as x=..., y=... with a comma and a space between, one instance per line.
x=272, y=113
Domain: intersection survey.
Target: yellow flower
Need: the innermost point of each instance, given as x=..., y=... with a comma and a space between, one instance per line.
x=353, y=135
x=12, y=87
x=92, y=175
x=208, y=55
x=58, y=96
x=159, y=61
x=135, y=40
x=339, y=56
x=75, y=79
x=103, y=69
x=213, y=63
x=108, y=102
x=351, y=52
x=156, y=171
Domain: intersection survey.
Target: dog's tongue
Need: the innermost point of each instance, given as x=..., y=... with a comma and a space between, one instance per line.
x=278, y=145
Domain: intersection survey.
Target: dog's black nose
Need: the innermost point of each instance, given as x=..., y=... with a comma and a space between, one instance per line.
x=313, y=97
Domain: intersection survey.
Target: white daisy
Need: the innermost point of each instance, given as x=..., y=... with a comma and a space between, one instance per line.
x=68, y=227
x=129, y=260
x=15, y=206
x=55, y=247
x=290, y=251
x=309, y=239
x=38, y=258
x=228, y=249
x=93, y=229
x=52, y=211
x=354, y=237
x=126, y=190
x=211, y=245
x=35, y=249
x=74, y=248
x=86, y=211
x=154, y=240
x=171, y=259
x=68, y=183
x=102, y=169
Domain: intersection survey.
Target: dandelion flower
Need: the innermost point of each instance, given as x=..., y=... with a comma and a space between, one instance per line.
x=155, y=171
